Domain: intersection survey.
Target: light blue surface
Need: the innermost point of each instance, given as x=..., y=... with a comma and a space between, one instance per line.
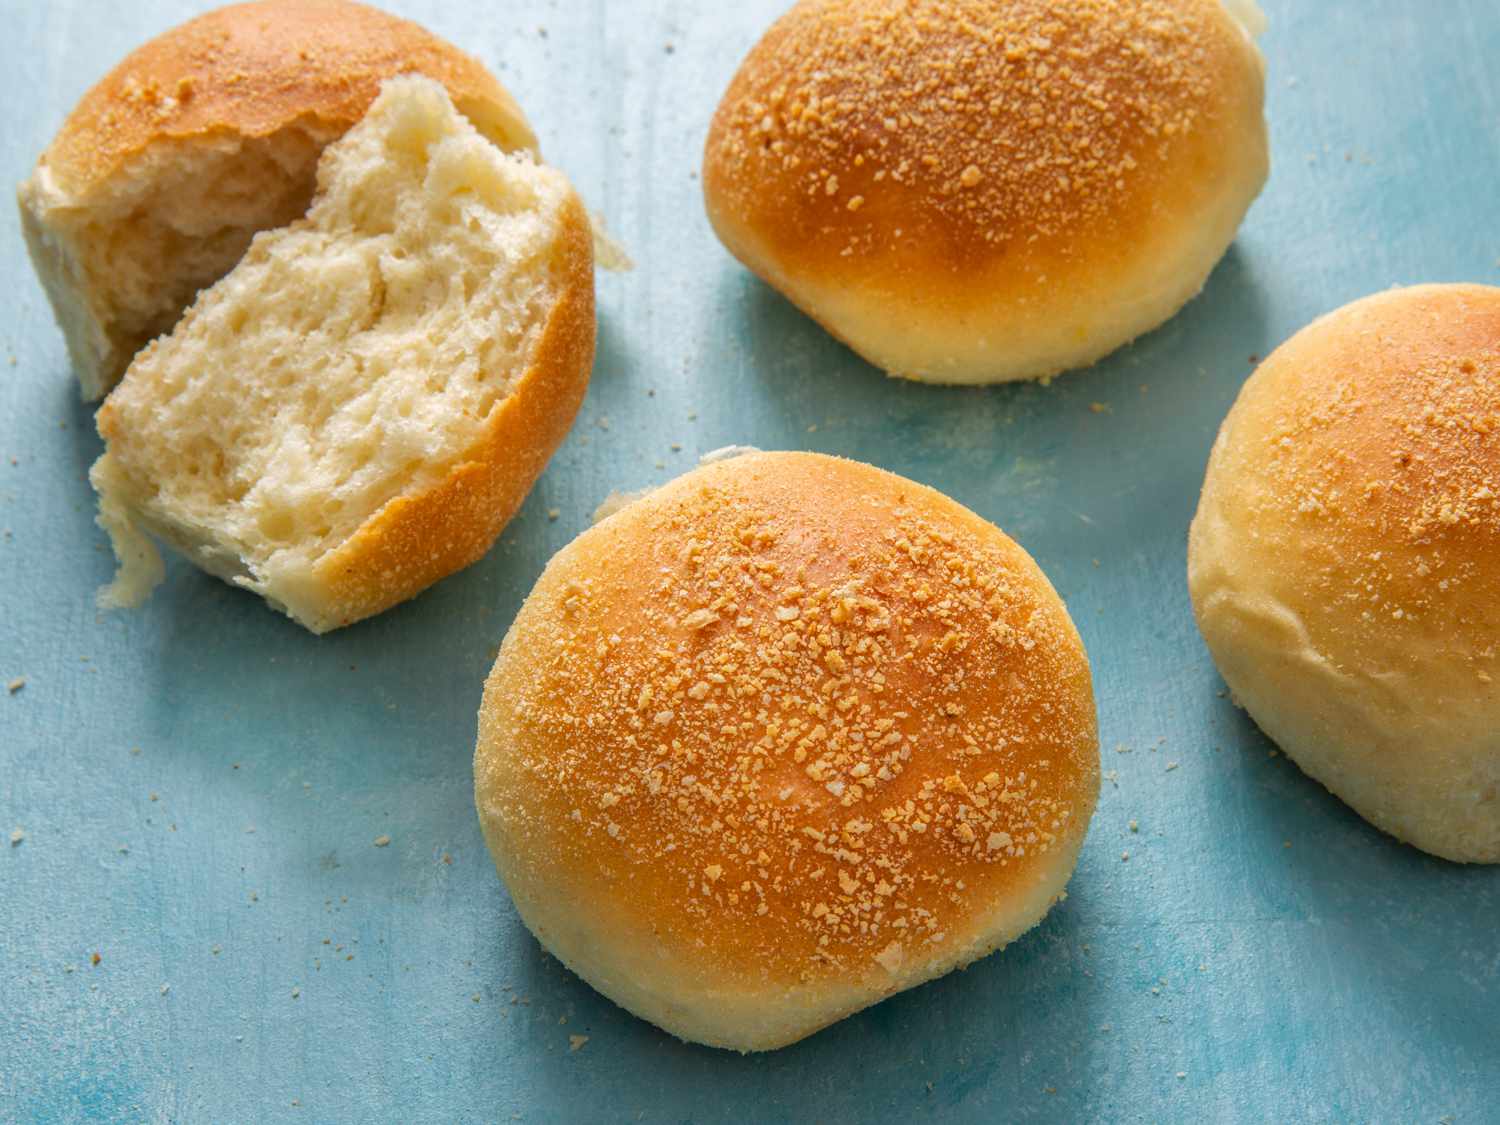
x=200, y=783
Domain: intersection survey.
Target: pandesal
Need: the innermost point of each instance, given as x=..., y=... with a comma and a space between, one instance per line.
x=780, y=738
x=156, y=182
x=1344, y=562
x=973, y=191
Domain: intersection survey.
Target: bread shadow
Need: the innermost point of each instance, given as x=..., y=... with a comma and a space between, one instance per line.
x=1414, y=933
x=1022, y=454
x=935, y=1049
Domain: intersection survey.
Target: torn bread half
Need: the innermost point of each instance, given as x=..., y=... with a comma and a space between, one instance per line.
x=158, y=179
x=359, y=407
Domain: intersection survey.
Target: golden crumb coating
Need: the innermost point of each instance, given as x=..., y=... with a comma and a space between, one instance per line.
x=795, y=731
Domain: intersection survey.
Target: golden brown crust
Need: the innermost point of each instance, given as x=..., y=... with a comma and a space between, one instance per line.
x=254, y=68
x=952, y=158
x=799, y=732
x=413, y=541
x=1349, y=538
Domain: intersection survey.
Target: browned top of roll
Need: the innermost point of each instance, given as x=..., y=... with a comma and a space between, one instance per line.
x=252, y=68
x=975, y=127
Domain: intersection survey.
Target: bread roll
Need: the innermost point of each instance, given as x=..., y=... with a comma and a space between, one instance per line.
x=973, y=191
x=360, y=405
x=1345, y=560
x=157, y=180
x=784, y=737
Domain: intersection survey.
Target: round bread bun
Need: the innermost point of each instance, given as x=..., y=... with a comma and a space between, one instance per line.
x=1345, y=560
x=781, y=738
x=207, y=134
x=974, y=191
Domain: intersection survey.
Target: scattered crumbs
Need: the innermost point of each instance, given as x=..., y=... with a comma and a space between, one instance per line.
x=477, y=997
x=382, y=841
x=1286, y=843
x=553, y=513
x=1171, y=766
x=562, y=1021
x=15, y=685
x=296, y=992
x=602, y=421
x=1181, y=1074
x=1124, y=857
x=166, y=988
x=692, y=415
x=154, y=796
x=676, y=447
x=249, y=830
x=1272, y=753
x=70, y=968
x=1135, y=826
x=448, y=859
x=1049, y=1089
x=1101, y=408
x=254, y=896
x=123, y=849
x=1106, y=1028
x=1113, y=777
x=576, y=1042
x=16, y=836
x=94, y=958
x=1122, y=749
x=1096, y=564
x=216, y=950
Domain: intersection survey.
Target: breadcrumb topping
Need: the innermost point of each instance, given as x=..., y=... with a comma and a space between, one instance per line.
x=1389, y=461
x=1012, y=122
x=841, y=720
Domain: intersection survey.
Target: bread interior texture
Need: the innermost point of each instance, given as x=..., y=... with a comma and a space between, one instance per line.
x=349, y=359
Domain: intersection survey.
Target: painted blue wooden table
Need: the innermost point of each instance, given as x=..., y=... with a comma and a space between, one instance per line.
x=200, y=922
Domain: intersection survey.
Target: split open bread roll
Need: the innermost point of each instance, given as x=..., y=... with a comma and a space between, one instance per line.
x=158, y=179
x=972, y=191
x=1345, y=560
x=361, y=404
x=781, y=738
